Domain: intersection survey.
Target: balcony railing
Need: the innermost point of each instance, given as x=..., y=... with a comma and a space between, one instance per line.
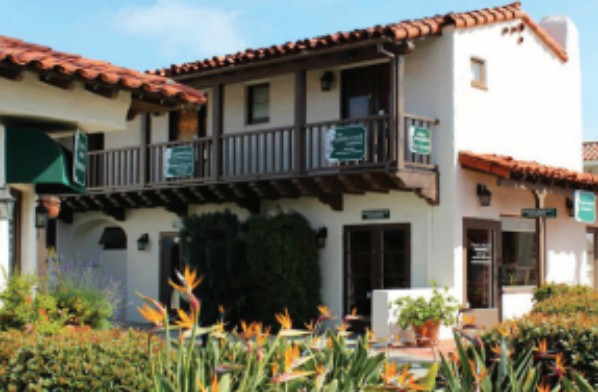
x=262, y=154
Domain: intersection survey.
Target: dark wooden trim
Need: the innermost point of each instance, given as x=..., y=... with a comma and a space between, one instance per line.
x=360, y=53
x=399, y=111
x=14, y=74
x=145, y=132
x=102, y=90
x=540, y=200
x=64, y=83
x=300, y=114
x=333, y=200
x=116, y=213
x=217, y=129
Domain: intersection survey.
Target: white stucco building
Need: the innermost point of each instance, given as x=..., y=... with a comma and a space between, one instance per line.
x=485, y=82
x=47, y=95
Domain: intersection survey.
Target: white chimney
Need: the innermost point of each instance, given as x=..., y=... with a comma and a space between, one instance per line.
x=564, y=32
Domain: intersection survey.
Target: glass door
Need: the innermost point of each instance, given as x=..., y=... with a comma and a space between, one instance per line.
x=482, y=250
x=376, y=257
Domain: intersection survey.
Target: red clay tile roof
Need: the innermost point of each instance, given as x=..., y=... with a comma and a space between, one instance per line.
x=528, y=171
x=405, y=30
x=590, y=151
x=44, y=60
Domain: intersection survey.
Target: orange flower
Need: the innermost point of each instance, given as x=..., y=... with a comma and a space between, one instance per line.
x=559, y=368
x=310, y=326
x=544, y=388
x=541, y=351
x=284, y=319
x=325, y=313
x=185, y=321
x=497, y=349
x=353, y=315
x=292, y=360
x=189, y=281
x=390, y=372
x=154, y=316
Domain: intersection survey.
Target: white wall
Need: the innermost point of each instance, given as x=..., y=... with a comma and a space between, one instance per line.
x=33, y=99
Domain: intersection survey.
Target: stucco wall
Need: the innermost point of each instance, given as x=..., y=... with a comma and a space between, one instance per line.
x=33, y=99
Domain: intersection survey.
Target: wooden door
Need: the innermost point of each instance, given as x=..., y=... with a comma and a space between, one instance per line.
x=169, y=262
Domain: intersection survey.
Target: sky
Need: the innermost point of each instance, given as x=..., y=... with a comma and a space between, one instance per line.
x=150, y=34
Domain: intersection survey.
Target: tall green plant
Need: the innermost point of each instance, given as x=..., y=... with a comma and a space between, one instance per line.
x=282, y=267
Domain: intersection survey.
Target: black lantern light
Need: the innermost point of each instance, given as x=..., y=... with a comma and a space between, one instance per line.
x=321, y=235
x=326, y=81
x=7, y=204
x=143, y=241
x=569, y=206
x=41, y=216
x=484, y=195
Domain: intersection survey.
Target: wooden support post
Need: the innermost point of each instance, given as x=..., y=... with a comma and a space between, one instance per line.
x=144, y=138
x=217, y=129
x=300, y=119
x=398, y=110
x=540, y=197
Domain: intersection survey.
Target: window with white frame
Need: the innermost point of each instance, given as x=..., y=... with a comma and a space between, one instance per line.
x=478, y=73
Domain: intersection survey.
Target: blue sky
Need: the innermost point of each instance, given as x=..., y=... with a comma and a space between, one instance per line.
x=147, y=34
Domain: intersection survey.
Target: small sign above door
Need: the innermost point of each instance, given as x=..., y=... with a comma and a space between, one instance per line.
x=533, y=213
x=585, y=206
x=375, y=214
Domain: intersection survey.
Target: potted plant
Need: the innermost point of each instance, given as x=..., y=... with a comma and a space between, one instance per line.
x=425, y=316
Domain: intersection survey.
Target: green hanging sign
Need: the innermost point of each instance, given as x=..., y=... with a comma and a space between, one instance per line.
x=420, y=140
x=585, y=206
x=346, y=143
x=178, y=162
x=80, y=159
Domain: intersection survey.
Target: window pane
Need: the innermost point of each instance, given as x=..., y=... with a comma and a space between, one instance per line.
x=519, y=259
x=261, y=94
x=395, y=262
x=477, y=72
x=258, y=103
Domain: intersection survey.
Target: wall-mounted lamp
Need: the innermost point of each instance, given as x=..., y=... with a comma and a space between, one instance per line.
x=326, y=81
x=143, y=241
x=569, y=206
x=321, y=236
x=41, y=216
x=7, y=204
x=484, y=195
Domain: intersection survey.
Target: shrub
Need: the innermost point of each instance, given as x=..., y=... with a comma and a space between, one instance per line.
x=86, y=295
x=253, y=269
x=212, y=245
x=82, y=361
x=567, y=319
x=569, y=302
x=558, y=289
x=17, y=308
x=282, y=267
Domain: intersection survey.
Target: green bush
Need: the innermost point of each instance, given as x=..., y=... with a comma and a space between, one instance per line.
x=254, y=269
x=282, y=267
x=567, y=319
x=84, y=307
x=75, y=361
x=558, y=289
x=212, y=245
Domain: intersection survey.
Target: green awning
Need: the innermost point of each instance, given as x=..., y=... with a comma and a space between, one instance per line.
x=32, y=157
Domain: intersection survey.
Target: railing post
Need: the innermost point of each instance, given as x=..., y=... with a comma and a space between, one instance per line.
x=397, y=137
x=217, y=130
x=144, y=135
x=300, y=119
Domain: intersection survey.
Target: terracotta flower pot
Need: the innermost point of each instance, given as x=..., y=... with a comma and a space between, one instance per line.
x=427, y=334
x=52, y=204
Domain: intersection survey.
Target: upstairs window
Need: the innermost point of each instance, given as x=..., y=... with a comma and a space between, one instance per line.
x=258, y=103
x=478, y=73
x=188, y=124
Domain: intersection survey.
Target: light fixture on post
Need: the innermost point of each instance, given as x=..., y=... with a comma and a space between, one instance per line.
x=321, y=236
x=326, y=81
x=143, y=241
x=569, y=206
x=484, y=195
x=7, y=204
x=41, y=216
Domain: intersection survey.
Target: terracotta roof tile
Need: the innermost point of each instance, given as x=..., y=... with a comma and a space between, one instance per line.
x=409, y=29
x=590, y=151
x=44, y=60
x=527, y=171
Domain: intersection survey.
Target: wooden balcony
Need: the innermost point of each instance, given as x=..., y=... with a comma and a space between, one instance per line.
x=246, y=167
